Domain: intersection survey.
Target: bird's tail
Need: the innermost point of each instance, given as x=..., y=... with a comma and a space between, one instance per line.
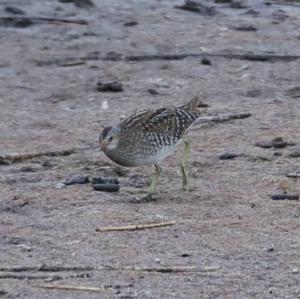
x=194, y=103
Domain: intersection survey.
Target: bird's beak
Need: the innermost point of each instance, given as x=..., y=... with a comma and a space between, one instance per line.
x=102, y=145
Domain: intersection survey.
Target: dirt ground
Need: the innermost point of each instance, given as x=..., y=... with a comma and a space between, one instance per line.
x=227, y=223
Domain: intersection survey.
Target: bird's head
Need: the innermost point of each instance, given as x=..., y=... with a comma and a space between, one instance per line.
x=109, y=138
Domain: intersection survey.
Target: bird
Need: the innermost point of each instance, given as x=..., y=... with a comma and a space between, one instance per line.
x=149, y=136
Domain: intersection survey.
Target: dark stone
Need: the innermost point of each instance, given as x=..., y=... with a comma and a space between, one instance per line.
x=285, y=196
x=293, y=92
x=185, y=255
x=228, y=156
x=79, y=3
x=222, y=1
x=14, y=10
x=107, y=187
x=113, y=86
x=245, y=28
x=132, y=23
x=113, y=56
x=77, y=179
x=271, y=249
x=277, y=142
x=198, y=8
x=153, y=91
x=19, y=22
x=252, y=93
x=99, y=180
x=277, y=154
x=294, y=154
x=238, y=4
x=205, y=61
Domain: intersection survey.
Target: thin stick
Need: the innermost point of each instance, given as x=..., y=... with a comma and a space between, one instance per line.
x=46, y=20
x=134, y=227
x=165, y=269
x=41, y=276
x=71, y=288
x=222, y=118
x=45, y=268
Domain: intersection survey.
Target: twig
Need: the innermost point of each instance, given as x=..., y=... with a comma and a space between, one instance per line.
x=164, y=269
x=247, y=56
x=222, y=118
x=71, y=288
x=41, y=20
x=4, y=159
x=45, y=268
x=134, y=227
x=41, y=276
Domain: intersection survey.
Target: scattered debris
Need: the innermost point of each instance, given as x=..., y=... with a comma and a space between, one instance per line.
x=285, y=196
x=228, y=156
x=134, y=227
x=277, y=142
x=113, y=86
x=198, y=7
x=14, y=10
x=77, y=179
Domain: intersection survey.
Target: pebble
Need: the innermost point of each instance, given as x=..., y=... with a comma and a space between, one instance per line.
x=277, y=142
x=197, y=7
x=228, y=156
x=77, y=179
x=99, y=180
x=294, y=154
x=132, y=23
x=107, y=187
x=113, y=86
x=14, y=10
x=205, y=61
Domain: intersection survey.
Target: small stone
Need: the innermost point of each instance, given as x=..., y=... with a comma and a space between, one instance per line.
x=205, y=61
x=295, y=271
x=271, y=249
x=197, y=7
x=14, y=10
x=60, y=185
x=153, y=91
x=77, y=179
x=47, y=164
x=245, y=28
x=99, y=180
x=238, y=4
x=294, y=154
x=185, y=255
x=19, y=22
x=277, y=154
x=107, y=187
x=228, y=156
x=79, y=3
x=132, y=23
x=113, y=86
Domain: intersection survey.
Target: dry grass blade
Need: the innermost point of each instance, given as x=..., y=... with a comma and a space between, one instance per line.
x=134, y=227
x=71, y=288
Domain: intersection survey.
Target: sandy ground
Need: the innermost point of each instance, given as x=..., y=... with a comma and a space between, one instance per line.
x=49, y=102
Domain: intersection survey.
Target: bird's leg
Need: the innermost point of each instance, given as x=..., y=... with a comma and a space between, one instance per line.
x=154, y=180
x=184, y=170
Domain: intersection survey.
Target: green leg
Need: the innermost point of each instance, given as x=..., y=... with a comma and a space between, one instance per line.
x=154, y=180
x=184, y=170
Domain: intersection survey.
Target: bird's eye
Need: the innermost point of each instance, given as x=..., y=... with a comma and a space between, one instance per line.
x=110, y=139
